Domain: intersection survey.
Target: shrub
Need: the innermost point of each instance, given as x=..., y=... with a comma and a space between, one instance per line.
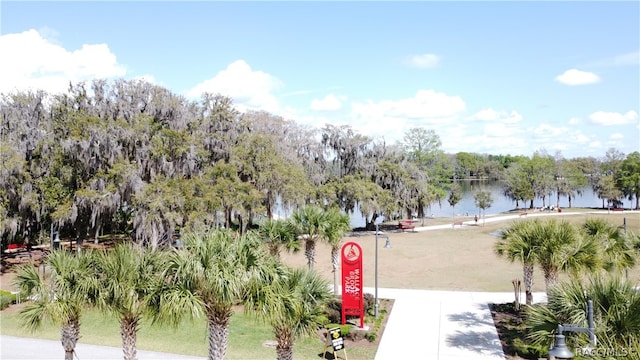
x=334, y=311
x=6, y=299
x=345, y=330
x=369, y=303
x=371, y=336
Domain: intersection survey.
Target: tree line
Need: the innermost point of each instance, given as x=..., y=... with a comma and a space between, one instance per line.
x=131, y=157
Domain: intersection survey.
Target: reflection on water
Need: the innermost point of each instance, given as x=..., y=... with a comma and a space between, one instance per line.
x=501, y=203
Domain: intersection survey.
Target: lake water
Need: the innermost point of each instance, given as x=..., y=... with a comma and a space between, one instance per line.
x=500, y=203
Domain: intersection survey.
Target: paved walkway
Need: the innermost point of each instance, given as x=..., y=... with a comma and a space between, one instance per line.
x=18, y=348
x=441, y=325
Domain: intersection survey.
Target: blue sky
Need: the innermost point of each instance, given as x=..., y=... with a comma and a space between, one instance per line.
x=488, y=77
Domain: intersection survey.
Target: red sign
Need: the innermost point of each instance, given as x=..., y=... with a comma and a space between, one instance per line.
x=352, y=295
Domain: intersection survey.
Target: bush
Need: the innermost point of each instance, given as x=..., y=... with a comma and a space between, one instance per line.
x=6, y=299
x=369, y=303
x=371, y=336
x=345, y=330
x=334, y=311
x=334, y=308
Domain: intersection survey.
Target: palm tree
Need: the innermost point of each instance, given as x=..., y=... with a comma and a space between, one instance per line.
x=554, y=246
x=59, y=298
x=210, y=275
x=128, y=277
x=337, y=224
x=562, y=248
x=517, y=244
x=292, y=305
x=279, y=234
x=617, y=248
x=310, y=222
x=616, y=306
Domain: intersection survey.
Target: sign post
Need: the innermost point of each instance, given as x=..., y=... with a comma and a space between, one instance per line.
x=336, y=341
x=352, y=295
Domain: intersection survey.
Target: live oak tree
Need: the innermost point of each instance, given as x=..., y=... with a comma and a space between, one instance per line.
x=628, y=177
x=128, y=156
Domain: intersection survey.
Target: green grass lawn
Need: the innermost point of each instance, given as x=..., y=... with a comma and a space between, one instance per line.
x=246, y=337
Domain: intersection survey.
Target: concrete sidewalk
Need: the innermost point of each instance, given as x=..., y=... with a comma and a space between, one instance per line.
x=441, y=325
x=18, y=348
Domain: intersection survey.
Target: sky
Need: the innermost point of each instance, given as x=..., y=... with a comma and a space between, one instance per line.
x=506, y=77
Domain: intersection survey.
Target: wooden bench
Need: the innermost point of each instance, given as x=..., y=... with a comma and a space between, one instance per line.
x=523, y=214
x=618, y=209
x=406, y=225
x=459, y=223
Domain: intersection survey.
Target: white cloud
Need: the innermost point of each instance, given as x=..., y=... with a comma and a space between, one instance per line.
x=632, y=58
x=628, y=59
x=501, y=116
x=423, y=61
x=580, y=138
x=147, y=78
x=616, y=136
x=30, y=61
x=613, y=118
x=392, y=118
x=575, y=121
x=548, y=131
x=249, y=89
x=577, y=77
x=328, y=103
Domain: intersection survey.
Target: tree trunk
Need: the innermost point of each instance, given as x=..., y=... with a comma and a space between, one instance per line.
x=284, y=349
x=335, y=261
x=269, y=205
x=218, y=334
x=129, y=331
x=310, y=252
x=550, y=279
x=69, y=335
x=527, y=271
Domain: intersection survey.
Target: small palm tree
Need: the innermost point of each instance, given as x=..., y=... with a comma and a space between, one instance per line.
x=59, y=298
x=310, y=222
x=279, y=235
x=128, y=276
x=618, y=252
x=562, y=248
x=209, y=275
x=517, y=244
x=293, y=305
x=337, y=225
x=616, y=306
